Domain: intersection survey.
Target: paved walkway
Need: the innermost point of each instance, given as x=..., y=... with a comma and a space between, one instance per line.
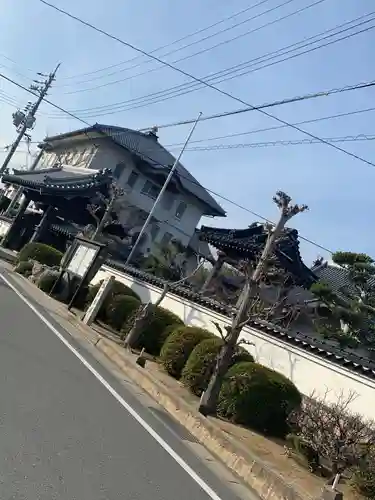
x=70, y=431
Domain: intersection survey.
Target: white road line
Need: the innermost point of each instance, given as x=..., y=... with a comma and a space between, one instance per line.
x=181, y=462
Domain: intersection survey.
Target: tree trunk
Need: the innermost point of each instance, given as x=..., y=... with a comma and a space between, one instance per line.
x=139, y=324
x=141, y=320
x=209, y=399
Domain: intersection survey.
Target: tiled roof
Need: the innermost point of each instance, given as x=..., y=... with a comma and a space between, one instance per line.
x=337, y=278
x=317, y=347
x=248, y=243
x=150, y=150
x=59, y=180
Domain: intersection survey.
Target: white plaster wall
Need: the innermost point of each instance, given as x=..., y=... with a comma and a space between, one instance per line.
x=309, y=373
x=183, y=229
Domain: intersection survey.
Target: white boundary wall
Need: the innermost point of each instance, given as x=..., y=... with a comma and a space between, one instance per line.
x=309, y=373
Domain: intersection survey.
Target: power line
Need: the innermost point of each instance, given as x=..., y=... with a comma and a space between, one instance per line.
x=217, y=23
x=277, y=127
x=228, y=200
x=323, y=93
x=272, y=104
x=222, y=92
x=202, y=51
x=229, y=73
x=256, y=131
x=287, y=142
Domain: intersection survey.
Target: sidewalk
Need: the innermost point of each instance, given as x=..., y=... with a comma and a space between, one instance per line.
x=250, y=456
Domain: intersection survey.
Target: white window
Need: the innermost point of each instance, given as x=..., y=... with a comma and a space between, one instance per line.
x=132, y=179
x=181, y=208
x=150, y=189
x=166, y=239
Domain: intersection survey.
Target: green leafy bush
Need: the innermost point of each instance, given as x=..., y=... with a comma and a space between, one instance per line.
x=156, y=331
x=120, y=309
x=257, y=397
x=363, y=479
x=47, y=280
x=42, y=253
x=178, y=347
x=118, y=288
x=24, y=267
x=200, y=365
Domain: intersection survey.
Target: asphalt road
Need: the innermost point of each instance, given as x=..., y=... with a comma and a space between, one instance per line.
x=64, y=435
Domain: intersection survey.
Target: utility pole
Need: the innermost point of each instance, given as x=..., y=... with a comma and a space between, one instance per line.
x=25, y=120
x=19, y=191
x=170, y=175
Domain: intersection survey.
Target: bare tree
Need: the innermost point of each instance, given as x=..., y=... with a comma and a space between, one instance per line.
x=145, y=311
x=210, y=397
x=333, y=432
x=110, y=204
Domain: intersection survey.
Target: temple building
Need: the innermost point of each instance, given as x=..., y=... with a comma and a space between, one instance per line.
x=54, y=197
x=287, y=277
x=140, y=165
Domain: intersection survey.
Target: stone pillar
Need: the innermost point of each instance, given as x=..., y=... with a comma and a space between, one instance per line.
x=214, y=271
x=16, y=225
x=43, y=225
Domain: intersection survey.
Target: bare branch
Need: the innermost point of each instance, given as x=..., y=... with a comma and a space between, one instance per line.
x=333, y=431
x=219, y=329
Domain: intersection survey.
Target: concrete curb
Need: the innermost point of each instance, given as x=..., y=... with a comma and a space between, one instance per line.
x=264, y=481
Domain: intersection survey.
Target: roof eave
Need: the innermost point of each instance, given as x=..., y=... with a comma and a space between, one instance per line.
x=74, y=133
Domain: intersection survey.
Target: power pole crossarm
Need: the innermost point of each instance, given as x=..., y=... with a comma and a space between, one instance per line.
x=29, y=117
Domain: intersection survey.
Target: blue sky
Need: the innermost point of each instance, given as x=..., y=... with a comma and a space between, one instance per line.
x=338, y=189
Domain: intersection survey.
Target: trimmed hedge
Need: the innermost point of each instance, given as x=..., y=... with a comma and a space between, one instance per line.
x=25, y=268
x=42, y=253
x=46, y=281
x=118, y=288
x=200, y=365
x=257, y=397
x=156, y=331
x=120, y=309
x=178, y=347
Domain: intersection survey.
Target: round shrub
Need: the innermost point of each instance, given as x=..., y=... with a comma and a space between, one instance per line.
x=241, y=355
x=120, y=309
x=42, y=253
x=200, y=365
x=257, y=397
x=118, y=288
x=178, y=347
x=156, y=331
x=24, y=267
x=47, y=280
